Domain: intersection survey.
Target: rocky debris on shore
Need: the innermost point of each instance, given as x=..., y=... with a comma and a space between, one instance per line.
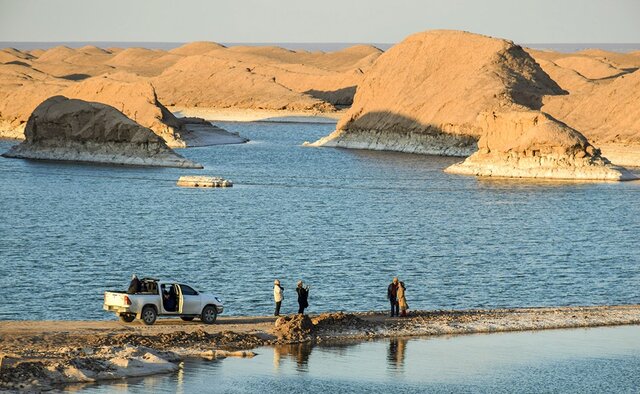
x=76, y=130
x=532, y=144
x=294, y=328
x=203, y=181
x=216, y=354
x=89, y=365
x=118, y=356
x=424, y=94
x=226, y=340
x=301, y=328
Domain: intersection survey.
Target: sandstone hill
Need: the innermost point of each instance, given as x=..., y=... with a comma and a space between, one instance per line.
x=604, y=99
x=532, y=144
x=204, y=81
x=77, y=130
x=203, y=74
x=138, y=100
x=424, y=94
x=22, y=88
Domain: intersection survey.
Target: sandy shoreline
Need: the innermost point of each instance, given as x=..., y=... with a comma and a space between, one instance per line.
x=45, y=354
x=257, y=115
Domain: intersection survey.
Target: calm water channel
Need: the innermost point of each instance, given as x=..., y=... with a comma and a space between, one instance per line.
x=344, y=221
x=596, y=360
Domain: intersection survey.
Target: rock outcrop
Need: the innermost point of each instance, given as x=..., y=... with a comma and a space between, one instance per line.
x=603, y=101
x=424, y=94
x=532, y=144
x=132, y=95
x=77, y=130
x=137, y=99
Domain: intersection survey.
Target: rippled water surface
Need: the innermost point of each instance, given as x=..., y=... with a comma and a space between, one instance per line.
x=344, y=221
x=572, y=361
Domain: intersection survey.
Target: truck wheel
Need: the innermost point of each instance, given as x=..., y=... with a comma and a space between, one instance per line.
x=127, y=317
x=187, y=318
x=149, y=315
x=209, y=314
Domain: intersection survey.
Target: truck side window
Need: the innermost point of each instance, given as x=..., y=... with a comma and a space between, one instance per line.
x=186, y=290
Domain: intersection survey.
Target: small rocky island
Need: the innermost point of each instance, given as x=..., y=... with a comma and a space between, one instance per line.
x=82, y=131
x=532, y=144
x=203, y=181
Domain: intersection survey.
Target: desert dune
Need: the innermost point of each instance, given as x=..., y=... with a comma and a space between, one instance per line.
x=194, y=76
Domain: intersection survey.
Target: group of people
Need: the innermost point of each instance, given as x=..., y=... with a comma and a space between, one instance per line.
x=395, y=294
x=303, y=296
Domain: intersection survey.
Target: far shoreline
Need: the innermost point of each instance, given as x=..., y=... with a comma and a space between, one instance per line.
x=257, y=115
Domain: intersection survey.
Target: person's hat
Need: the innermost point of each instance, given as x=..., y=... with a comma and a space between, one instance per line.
x=276, y=282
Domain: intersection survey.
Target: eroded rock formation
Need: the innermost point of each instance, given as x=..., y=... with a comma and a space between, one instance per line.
x=77, y=130
x=531, y=144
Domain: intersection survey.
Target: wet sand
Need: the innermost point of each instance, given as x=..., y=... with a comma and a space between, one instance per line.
x=51, y=353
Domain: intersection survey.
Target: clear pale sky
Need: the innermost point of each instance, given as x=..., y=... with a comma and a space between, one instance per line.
x=375, y=21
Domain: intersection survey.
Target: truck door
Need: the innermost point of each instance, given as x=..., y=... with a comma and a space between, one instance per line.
x=180, y=298
x=190, y=301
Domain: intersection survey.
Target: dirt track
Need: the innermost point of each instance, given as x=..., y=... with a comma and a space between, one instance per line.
x=19, y=336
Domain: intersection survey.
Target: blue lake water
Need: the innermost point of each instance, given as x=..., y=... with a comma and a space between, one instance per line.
x=573, y=361
x=344, y=221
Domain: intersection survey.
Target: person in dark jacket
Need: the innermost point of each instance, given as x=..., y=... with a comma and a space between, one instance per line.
x=134, y=286
x=303, y=297
x=392, y=295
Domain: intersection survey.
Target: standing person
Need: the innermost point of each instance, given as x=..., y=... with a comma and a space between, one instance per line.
x=134, y=286
x=392, y=295
x=402, y=300
x=303, y=297
x=277, y=296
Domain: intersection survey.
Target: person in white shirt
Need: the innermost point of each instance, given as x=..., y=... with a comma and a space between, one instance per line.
x=277, y=296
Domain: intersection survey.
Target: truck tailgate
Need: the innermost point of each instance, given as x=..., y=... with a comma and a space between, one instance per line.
x=116, y=299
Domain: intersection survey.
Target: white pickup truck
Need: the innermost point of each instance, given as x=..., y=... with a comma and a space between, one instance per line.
x=163, y=298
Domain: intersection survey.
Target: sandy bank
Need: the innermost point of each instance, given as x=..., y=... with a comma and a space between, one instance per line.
x=44, y=354
x=257, y=115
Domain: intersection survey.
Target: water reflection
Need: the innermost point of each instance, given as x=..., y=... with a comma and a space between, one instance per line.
x=299, y=353
x=396, y=353
x=579, y=360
